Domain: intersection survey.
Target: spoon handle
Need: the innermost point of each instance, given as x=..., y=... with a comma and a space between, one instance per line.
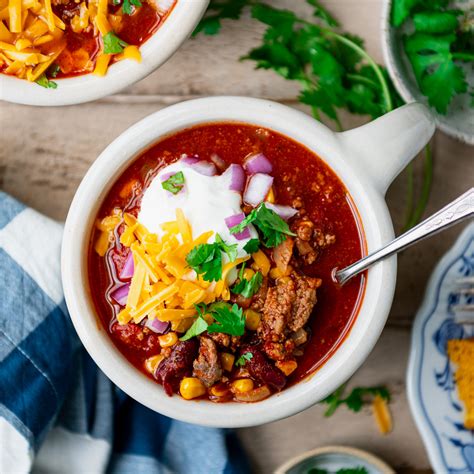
x=458, y=210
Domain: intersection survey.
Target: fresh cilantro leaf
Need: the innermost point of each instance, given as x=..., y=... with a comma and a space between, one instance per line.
x=174, y=183
x=206, y=259
x=113, y=44
x=127, y=5
x=43, y=81
x=252, y=246
x=198, y=327
x=355, y=400
x=270, y=224
x=217, y=11
x=229, y=319
x=229, y=249
x=240, y=362
x=247, y=288
x=401, y=10
x=438, y=77
x=53, y=70
x=323, y=13
x=435, y=22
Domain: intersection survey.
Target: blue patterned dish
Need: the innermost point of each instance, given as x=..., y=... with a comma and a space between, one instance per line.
x=430, y=383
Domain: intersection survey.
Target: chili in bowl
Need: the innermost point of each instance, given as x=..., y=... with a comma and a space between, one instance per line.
x=198, y=254
x=58, y=52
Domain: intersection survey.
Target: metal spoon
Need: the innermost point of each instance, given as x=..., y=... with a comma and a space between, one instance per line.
x=455, y=212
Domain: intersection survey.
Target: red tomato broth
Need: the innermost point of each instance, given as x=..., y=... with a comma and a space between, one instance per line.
x=297, y=172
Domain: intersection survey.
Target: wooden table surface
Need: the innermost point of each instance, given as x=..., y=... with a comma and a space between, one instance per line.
x=45, y=152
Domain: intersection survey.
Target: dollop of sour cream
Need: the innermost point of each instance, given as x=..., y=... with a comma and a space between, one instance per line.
x=206, y=202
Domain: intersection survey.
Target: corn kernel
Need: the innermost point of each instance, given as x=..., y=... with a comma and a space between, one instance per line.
x=275, y=273
x=191, y=387
x=227, y=361
x=168, y=340
x=248, y=274
x=287, y=366
x=152, y=363
x=252, y=319
x=262, y=262
x=242, y=385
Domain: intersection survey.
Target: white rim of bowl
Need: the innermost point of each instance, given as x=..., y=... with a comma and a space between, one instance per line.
x=176, y=28
x=399, y=83
x=351, y=352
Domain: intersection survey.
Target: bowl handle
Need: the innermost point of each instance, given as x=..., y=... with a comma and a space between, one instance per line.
x=385, y=146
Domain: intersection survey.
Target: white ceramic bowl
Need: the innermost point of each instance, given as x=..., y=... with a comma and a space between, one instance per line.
x=366, y=160
x=74, y=90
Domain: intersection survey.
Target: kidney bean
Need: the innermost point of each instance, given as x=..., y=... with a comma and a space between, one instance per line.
x=179, y=364
x=261, y=369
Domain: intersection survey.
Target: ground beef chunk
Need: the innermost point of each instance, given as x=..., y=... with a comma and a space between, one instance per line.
x=179, y=364
x=306, y=251
x=258, y=299
x=304, y=229
x=323, y=239
x=279, y=350
x=207, y=367
x=304, y=301
x=220, y=338
x=277, y=309
x=133, y=336
x=282, y=254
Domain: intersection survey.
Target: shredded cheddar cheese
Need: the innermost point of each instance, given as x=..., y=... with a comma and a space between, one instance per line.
x=461, y=353
x=163, y=286
x=382, y=415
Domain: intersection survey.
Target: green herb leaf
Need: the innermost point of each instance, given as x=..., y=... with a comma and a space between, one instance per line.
x=113, y=44
x=435, y=22
x=43, y=81
x=229, y=319
x=241, y=361
x=206, y=259
x=53, y=70
x=252, y=246
x=198, y=327
x=321, y=12
x=229, y=249
x=247, y=288
x=270, y=224
x=355, y=400
x=217, y=11
x=127, y=5
x=438, y=77
x=174, y=183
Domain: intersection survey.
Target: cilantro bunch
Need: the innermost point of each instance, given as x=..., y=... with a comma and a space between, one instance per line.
x=332, y=67
x=442, y=38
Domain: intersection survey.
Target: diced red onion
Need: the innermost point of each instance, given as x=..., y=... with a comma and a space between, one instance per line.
x=257, y=188
x=234, y=220
x=285, y=212
x=189, y=160
x=258, y=163
x=218, y=161
x=120, y=294
x=205, y=167
x=160, y=327
x=236, y=176
x=128, y=267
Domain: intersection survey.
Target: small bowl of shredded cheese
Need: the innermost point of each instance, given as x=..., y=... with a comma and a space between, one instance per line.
x=62, y=52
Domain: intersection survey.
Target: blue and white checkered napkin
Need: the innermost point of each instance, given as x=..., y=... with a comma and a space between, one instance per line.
x=58, y=412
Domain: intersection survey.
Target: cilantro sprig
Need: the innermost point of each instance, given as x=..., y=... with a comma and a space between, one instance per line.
x=228, y=319
x=174, y=184
x=243, y=359
x=206, y=259
x=252, y=246
x=247, y=288
x=356, y=398
x=332, y=68
x=127, y=5
x=113, y=44
x=43, y=81
x=273, y=228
